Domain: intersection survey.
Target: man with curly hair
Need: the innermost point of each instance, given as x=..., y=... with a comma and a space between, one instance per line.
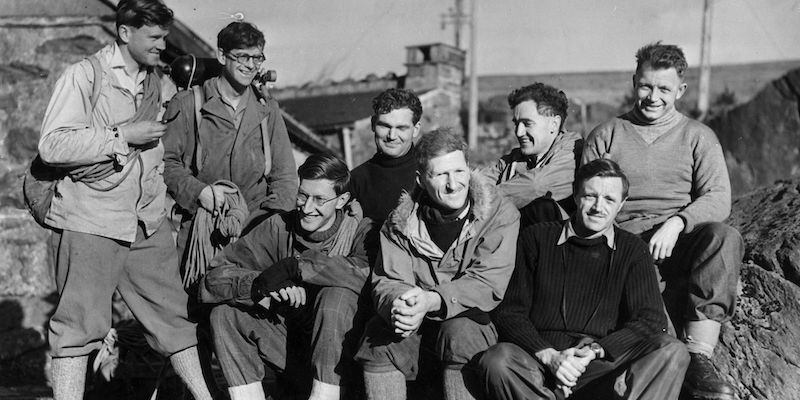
x=679, y=195
x=537, y=176
x=378, y=182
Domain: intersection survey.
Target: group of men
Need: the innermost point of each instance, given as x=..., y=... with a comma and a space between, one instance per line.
x=570, y=268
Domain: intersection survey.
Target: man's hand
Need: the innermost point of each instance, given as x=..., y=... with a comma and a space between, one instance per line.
x=139, y=133
x=295, y=296
x=409, y=310
x=663, y=241
x=212, y=198
x=567, y=365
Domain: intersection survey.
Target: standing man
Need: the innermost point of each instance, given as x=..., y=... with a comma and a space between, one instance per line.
x=241, y=137
x=447, y=253
x=112, y=234
x=378, y=182
x=583, y=305
x=308, y=268
x=537, y=176
x=680, y=194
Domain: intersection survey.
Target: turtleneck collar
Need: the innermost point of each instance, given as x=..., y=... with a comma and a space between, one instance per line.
x=385, y=161
x=434, y=214
x=321, y=236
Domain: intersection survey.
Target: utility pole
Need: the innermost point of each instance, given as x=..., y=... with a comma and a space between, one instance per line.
x=472, y=136
x=705, y=62
x=457, y=18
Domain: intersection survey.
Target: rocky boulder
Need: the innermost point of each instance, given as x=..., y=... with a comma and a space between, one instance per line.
x=761, y=138
x=759, y=352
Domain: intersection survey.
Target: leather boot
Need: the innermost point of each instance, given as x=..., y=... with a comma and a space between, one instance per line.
x=703, y=382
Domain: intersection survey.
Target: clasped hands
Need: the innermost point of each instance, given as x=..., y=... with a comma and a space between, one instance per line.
x=410, y=308
x=567, y=365
x=277, y=283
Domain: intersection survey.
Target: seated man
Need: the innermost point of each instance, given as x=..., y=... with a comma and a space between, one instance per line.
x=680, y=194
x=537, y=176
x=584, y=304
x=307, y=269
x=447, y=252
x=378, y=182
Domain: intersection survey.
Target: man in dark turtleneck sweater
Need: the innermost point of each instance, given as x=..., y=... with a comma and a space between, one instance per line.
x=378, y=182
x=447, y=252
x=291, y=286
x=582, y=307
x=680, y=194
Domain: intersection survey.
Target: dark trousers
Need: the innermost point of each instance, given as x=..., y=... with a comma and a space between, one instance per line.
x=700, y=278
x=245, y=340
x=456, y=342
x=653, y=369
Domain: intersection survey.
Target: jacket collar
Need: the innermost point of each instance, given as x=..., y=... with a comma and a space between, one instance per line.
x=481, y=193
x=213, y=104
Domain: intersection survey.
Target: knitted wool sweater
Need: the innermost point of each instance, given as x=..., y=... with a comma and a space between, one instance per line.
x=559, y=294
x=675, y=167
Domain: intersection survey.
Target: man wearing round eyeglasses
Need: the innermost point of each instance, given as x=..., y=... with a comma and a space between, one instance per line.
x=288, y=291
x=241, y=137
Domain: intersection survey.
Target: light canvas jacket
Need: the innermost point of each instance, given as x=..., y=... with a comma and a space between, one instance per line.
x=72, y=135
x=472, y=273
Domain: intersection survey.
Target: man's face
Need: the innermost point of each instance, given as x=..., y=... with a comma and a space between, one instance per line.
x=535, y=132
x=446, y=180
x=240, y=66
x=395, y=132
x=657, y=90
x=317, y=203
x=145, y=44
x=599, y=200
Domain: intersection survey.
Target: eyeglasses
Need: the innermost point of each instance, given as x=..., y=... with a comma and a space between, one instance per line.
x=303, y=198
x=244, y=58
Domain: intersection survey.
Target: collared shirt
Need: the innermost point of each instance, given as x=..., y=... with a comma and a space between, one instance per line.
x=236, y=108
x=568, y=231
x=133, y=84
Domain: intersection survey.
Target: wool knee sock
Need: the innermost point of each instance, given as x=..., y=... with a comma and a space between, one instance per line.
x=186, y=364
x=250, y=391
x=68, y=377
x=385, y=385
x=454, y=387
x=702, y=336
x=324, y=391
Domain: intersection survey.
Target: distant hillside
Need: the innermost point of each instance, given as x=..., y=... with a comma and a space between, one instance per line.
x=610, y=87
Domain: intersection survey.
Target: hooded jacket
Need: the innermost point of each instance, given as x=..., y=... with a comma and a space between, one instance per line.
x=472, y=273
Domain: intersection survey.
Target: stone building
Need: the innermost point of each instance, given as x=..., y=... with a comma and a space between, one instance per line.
x=340, y=112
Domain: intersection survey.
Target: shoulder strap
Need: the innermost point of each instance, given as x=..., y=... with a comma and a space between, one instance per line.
x=98, y=79
x=265, y=139
x=197, y=91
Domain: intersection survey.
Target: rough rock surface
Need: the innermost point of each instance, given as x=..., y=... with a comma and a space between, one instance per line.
x=759, y=352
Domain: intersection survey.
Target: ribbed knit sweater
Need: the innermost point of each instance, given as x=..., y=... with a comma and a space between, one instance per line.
x=675, y=166
x=559, y=294
x=378, y=182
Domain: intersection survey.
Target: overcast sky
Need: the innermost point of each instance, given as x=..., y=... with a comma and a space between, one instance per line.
x=310, y=40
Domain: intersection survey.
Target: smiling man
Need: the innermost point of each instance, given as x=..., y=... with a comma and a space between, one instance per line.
x=241, y=138
x=583, y=308
x=288, y=291
x=447, y=252
x=680, y=194
x=537, y=176
x=378, y=182
x=110, y=234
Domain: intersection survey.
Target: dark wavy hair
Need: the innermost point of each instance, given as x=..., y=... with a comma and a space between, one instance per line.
x=240, y=35
x=326, y=166
x=439, y=142
x=601, y=167
x=662, y=56
x=549, y=100
x=395, y=99
x=137, y=13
